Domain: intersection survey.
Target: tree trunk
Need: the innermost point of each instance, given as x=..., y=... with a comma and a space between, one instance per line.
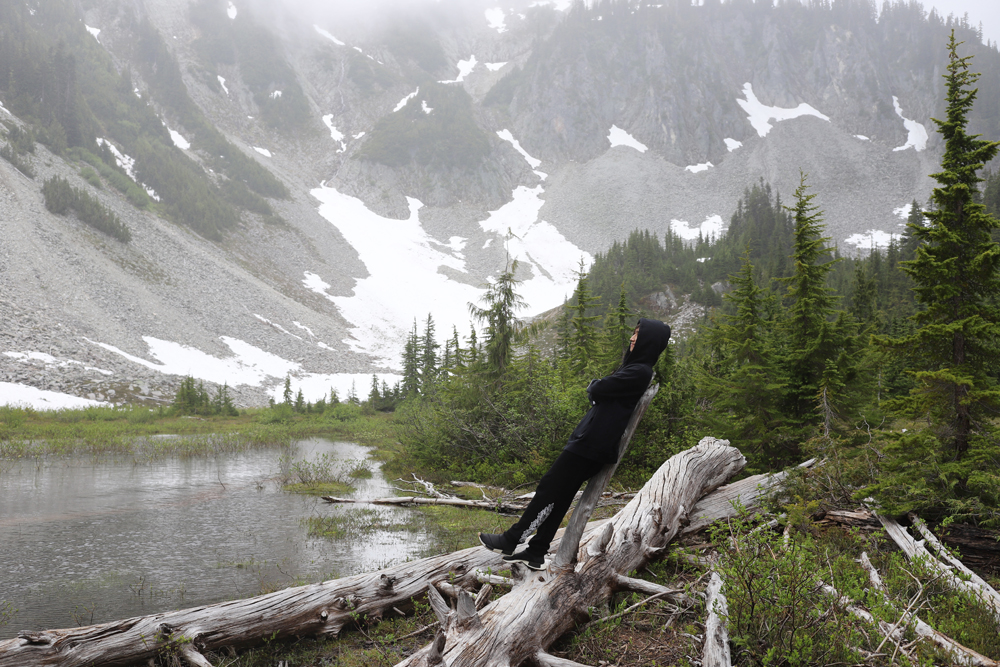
x=514, y=628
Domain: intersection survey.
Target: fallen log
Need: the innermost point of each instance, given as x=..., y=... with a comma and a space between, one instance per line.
x=521, y=625
x=326, y=608
x=417, y=500
x=961, y=655
x=716, y=652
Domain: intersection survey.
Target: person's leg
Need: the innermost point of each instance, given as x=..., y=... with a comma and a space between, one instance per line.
x=552, y=499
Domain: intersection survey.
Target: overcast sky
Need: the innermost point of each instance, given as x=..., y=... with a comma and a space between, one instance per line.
x=985, y=11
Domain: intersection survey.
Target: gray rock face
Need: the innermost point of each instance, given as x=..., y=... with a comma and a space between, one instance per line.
x=670, y=76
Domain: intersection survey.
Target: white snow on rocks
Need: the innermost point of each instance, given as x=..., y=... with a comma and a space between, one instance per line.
x=495, y=19
x=695, y=168
x=21, y=395
x=423, y=105
x=903, y=212
x=507, y=136
x=335, y=134
x=275, y=95
x=916, y=137
x=276, y=326
x=406, y=269
x=402, y=102
x=51, y=361
x=330, y=37
x=493, y=67
x=404, y=278
x=359, y=135
x=539, y=246
x=558, y=5
x=761, y=115
x=711, y=227
x=249, y=365
x=179, y=140
x=619, y=137
x=93, y=31
x=231, y=10
x=732, y=144
x=465, y=68
x=4, y=109
x=861, y=137
x=873, y=238
x=128, y=164
x=263, y=151
x=222, y=82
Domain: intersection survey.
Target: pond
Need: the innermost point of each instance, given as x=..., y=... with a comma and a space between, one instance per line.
x=86, y=540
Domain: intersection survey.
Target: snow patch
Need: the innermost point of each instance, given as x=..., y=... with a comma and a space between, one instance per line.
x=93, y=31
x=732, y=144
x=487, y=244
x=4, y=109
x=493, y=67
x=423, y=105
x=404, y=277
x=262, y=151
x=128, y=164
x=402, y=102
x=558, y=5
x=695, y=168
x=179, y=140
x=541, y=174
x=357, y=48
x=465, y=68
x=538, y=246
x=495, y=19
x=275, y=95
x=248, y=365
x=711, y=227
x=619, y=137
x=903, y=212
x=21, y=395
x=507, y=136
x=916, y=134
x=761, y=115
x=330, y=37
x=304, y=328
x=222, y=82
x=861, y=137
x=873, y=238
x=359, y=135
x=335, y=134
x=51, y=361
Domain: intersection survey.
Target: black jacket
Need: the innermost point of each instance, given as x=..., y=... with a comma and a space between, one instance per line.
x=614, y=397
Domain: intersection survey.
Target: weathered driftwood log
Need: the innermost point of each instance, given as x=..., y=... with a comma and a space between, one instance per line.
x=915, y=550
x=521, y=625
x=961, y=655
x=416, y=500
x=716, y=651
x=326, y=608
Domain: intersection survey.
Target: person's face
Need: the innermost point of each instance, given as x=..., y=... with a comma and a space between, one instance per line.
x=631, y=341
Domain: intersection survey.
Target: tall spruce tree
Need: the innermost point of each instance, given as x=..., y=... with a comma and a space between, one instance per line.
x=428, y=357
x=956, y=275
x=583, y=333
x=501, y=302
x=811, y=337
x=617, y=330
x=411, y=363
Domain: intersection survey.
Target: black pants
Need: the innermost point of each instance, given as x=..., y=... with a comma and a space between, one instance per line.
x=552, y=500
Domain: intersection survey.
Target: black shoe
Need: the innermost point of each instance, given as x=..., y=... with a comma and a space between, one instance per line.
x=497, y=543
x=528, y=559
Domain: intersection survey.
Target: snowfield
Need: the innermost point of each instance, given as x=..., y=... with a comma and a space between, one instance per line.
x=711, y=227
x=330, y=37
x=695, y=168
x=916, y=134
x=465, y=68
x=495, y=19
x=873, y=238
x=732, y=144
x=507, y=136
x=179, y=140
x=619, y=137
x=760, y=115
x=23, y=396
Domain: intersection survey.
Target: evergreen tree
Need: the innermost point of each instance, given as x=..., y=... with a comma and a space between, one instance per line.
x=428, y=357
x=286, y=394
x=812, y=339
x=374, y=395
x=503, y=330
x=617, y=331
x=300, y=402
x=956, y=275
x=583, y=334
x=411, y=363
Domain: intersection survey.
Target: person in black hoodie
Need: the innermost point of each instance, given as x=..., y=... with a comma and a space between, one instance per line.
x=593, y=444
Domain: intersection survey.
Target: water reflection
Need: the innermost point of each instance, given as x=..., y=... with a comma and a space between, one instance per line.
x=86, y=541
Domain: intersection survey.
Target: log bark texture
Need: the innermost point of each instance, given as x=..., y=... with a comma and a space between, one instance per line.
x=546, y=604
x=716, y=652
x=639, y=531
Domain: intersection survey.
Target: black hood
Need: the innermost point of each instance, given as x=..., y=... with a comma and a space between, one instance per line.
x=652, y=341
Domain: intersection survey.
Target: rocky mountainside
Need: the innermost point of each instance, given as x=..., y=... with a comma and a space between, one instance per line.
x=320, y=177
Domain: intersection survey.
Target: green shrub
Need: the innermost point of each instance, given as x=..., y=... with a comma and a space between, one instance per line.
x=61, y=197
x=22, y=165
x=88, y=174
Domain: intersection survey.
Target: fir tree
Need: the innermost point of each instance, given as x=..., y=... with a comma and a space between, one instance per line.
x=617, y=331
x=956, y=275
x=503, y=330
x=428, y=357
x=286, y=394
x=300, y=402
x=583, y=334
x=411, y=363
x=374, y=396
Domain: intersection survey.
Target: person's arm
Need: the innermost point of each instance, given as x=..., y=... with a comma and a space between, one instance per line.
x=628, y=381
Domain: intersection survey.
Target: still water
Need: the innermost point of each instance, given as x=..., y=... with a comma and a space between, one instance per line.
x=87, y=540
